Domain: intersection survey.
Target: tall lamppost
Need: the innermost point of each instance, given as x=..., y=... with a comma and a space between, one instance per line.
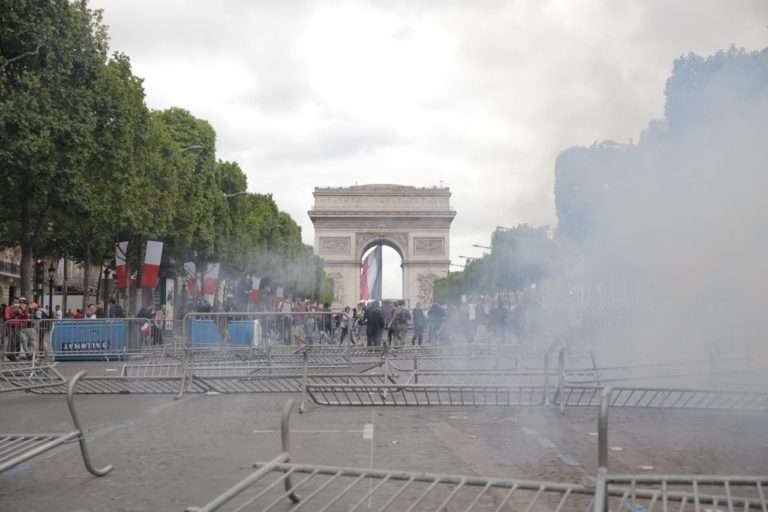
x=105, y=287
x=196, y=148
x=51, y=277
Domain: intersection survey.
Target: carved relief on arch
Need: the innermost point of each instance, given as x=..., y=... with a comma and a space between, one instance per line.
x=398, y=239
x=335, y=245
x=426, y=284
x=429, y=246
x=338, y=286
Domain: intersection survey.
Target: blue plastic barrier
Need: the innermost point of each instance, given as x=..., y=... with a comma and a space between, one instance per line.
x=89, y=339
x=205, y=332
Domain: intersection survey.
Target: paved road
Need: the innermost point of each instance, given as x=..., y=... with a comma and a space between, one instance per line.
x=169, y=454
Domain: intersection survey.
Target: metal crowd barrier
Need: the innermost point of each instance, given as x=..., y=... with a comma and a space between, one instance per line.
x=665, y=398
x=96, y=339
x=279, y=483
x=659, y=492
x=238, y=369
x=508, y=396
x=180, y=385
x=224, y=378
x=25, y=376
x=425, y=395
x=261, y=329
x=18, y=448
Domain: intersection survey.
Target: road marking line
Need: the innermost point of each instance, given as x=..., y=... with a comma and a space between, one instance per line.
x=568, y=460
x=312, y=431
x=529, y=431
x=370, y=480
x=546, y=443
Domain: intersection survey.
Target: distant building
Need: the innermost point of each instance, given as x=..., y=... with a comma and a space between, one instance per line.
x=10, y=274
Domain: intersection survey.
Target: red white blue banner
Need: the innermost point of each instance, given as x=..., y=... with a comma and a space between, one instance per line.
x=152, y=257
x=193, y=286
x=211, y=280
x=370, y=275
x=121, y=250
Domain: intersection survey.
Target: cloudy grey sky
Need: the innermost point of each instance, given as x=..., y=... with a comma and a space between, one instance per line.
x=478, y=95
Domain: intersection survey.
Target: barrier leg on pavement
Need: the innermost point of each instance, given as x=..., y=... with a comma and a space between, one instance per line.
x=81, y=438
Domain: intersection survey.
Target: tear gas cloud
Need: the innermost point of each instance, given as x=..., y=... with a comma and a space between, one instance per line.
x=666, y=240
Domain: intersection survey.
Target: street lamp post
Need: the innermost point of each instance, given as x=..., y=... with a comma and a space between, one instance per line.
x=105, y=283
x=194, y=148
x=51, y=276
x=243, y=192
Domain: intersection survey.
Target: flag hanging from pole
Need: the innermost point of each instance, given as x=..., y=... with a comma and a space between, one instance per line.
x=152, y=257
x=211, y=280
x=121, y=250
x=192, y=282
x=370, y=275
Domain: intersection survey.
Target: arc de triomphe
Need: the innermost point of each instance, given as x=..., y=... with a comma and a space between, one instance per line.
x=414, y=221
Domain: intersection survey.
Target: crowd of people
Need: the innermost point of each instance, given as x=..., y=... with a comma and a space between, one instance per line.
x=299, y=320
x=21, y=334
x=438, y=324
x=18, y=336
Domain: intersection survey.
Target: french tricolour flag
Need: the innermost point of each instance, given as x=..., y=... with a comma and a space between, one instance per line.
x=370, y=276
x=121, y=249
x=211, y=280
x=152, y=257
x=192, y=285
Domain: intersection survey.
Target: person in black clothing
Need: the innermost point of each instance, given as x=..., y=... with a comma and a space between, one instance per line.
x=419, y=324
x=435, y=315
x=115, y=310
x=374, y=324
x=500, y=322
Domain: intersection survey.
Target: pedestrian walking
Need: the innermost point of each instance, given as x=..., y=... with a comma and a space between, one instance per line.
x=115, y=310
x=500, y=322
x=148, y=314
x=388, y=313
x=435, y=318
x=374, y=324
x=158, y=324
x=344, y=324
x=419, y=324
x=399, y=323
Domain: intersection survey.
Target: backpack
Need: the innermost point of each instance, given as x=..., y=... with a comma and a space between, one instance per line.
x=404, y=316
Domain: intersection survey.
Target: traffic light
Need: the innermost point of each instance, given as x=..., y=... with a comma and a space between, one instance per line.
x=39, y=273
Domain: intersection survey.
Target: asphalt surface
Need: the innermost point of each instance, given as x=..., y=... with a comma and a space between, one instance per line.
x=169, y=454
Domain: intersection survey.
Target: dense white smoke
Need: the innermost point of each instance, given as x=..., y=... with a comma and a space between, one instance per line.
x=670, y=235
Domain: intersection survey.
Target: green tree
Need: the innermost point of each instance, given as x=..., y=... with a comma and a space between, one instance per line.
x=519, y=257
x=51, y=55
x=128, y=181
x=199, y=226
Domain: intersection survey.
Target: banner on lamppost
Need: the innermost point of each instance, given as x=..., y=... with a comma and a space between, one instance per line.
x=152, y=257
x=370, y=275
x=121, y=250
x=211, y=280
x=193, y=286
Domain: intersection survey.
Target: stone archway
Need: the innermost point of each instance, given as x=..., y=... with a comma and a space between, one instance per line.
x=370, y=240
x=414, y=221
